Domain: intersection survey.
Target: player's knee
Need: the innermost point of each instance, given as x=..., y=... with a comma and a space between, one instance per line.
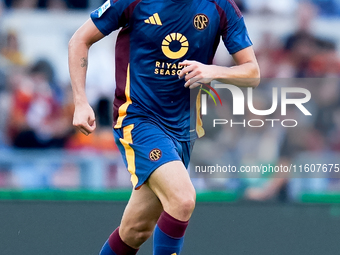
x=184, y=205
x=187, y=206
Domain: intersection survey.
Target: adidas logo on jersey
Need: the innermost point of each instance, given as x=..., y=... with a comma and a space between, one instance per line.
x=154, y=20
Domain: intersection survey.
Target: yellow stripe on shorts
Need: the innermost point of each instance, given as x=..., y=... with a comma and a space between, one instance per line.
x=129, y=153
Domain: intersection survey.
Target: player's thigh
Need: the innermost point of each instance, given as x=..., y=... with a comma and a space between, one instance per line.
x=141, y=213
x=172, y=185
x=145, y=147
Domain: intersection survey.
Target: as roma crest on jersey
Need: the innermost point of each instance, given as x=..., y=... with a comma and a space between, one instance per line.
x=201, y=21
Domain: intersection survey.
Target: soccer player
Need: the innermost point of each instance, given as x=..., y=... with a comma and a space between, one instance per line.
x=164, y=48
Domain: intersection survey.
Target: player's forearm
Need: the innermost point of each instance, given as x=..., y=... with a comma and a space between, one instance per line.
x=78, y=49
x=78, y=61
x=244, y=75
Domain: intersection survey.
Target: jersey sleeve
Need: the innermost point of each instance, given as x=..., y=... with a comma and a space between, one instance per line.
x=112, y=15
x=234, y=32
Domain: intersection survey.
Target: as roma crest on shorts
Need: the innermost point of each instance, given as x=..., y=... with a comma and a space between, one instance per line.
x=155, y=154
x=201, y=21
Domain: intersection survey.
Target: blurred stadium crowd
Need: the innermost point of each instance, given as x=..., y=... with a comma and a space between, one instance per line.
x=52, y=4
x=36, y=107
x=325, y=7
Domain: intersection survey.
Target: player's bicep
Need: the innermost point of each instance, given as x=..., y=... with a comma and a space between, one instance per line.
x=88, y=33
x=245, y=55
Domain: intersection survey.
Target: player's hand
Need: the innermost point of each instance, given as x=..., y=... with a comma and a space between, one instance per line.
x=196, y=73
x=84, y=118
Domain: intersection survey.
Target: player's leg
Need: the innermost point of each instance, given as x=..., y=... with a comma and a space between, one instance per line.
x=172, y=185
x=147, y=151
x=138, y=222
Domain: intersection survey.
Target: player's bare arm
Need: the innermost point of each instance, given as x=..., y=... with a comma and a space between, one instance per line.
x=245, y=73
x=79, y=45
